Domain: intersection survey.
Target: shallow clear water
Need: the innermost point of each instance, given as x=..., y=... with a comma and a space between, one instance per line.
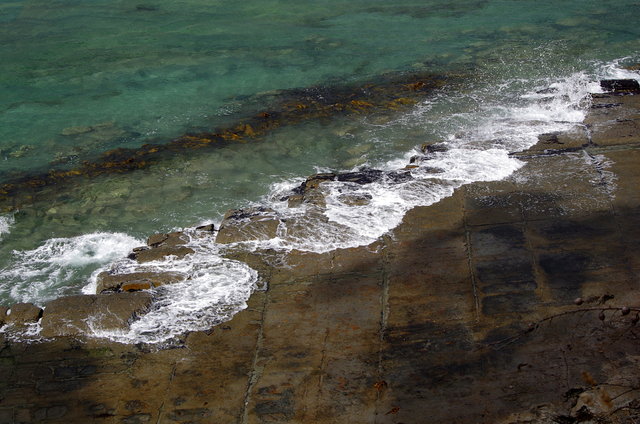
x=81, y=77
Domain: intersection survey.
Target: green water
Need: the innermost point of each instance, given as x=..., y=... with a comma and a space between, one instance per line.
x=78, y=78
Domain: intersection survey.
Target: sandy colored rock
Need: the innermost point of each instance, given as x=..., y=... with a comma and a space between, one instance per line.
x=115, y=282
x=77, y=315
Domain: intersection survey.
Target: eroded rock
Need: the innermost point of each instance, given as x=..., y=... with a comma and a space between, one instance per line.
x=77, y=315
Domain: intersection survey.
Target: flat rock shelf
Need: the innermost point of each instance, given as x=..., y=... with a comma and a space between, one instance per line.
x=514, y=301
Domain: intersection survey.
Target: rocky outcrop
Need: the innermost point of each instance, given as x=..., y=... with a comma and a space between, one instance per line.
x=84, y=314
x=510, y=302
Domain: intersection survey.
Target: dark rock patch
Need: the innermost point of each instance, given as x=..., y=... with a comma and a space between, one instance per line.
x=564, y=262
x=620, y=85
x=518, y=268
x=3, y=315
x=508, y=303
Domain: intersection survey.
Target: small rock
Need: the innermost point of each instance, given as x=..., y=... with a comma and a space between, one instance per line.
x=23, y=313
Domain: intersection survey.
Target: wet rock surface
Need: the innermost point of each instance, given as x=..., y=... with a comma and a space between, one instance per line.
x=159, y=253
x=21, y=314
x=465, y=313
x=248, y=224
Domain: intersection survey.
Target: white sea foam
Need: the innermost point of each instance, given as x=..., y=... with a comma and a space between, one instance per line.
x=41, y=274
x=478, y=145
x=615, y=70
x=6, y=221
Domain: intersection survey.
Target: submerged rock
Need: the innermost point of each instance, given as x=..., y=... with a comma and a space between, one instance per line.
x=135, y=281
x=248, y=224
x=77, y=315
x=70, y=131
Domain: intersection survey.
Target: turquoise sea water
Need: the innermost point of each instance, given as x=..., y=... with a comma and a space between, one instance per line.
x=81, y=77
